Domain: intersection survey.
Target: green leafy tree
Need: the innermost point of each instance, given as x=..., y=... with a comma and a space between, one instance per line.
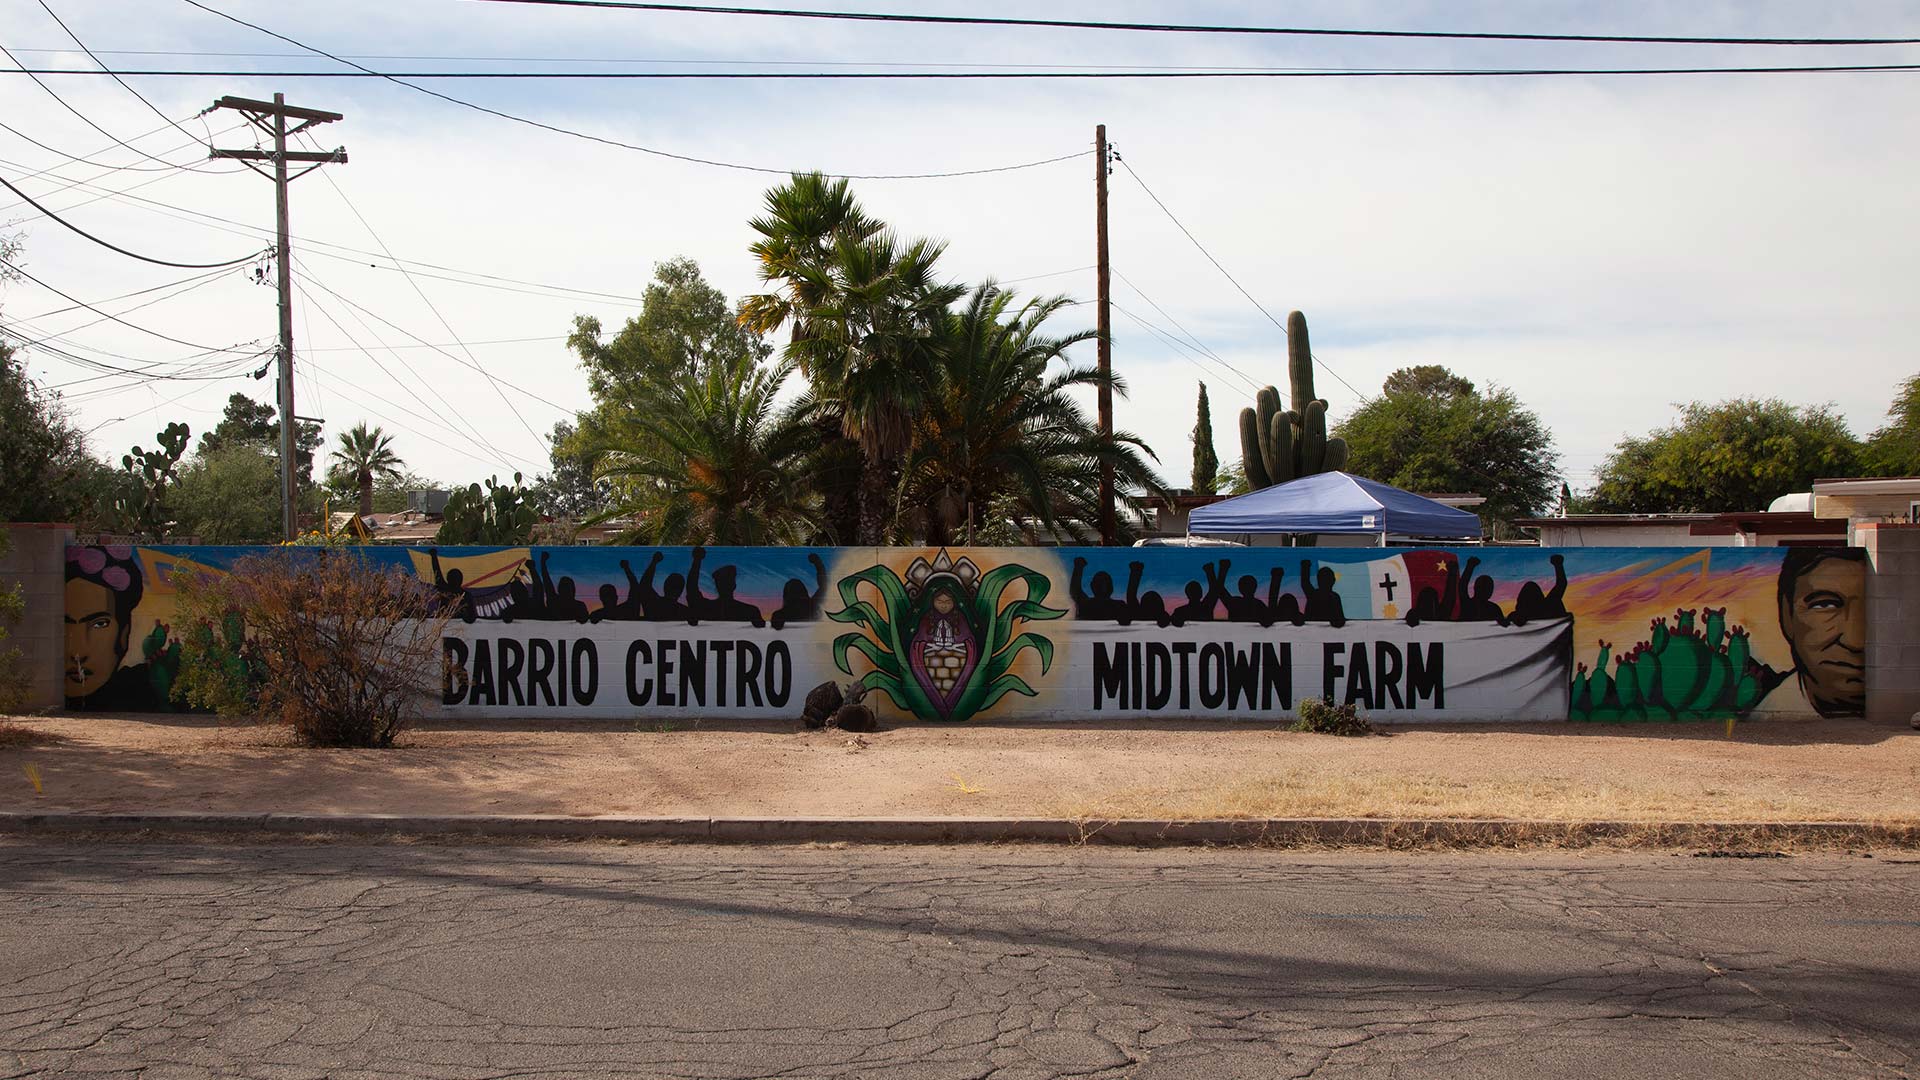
x=1206, y=463
x=1735, y=455
x=685, y=328
x=363, y=455
x=1431, y=430
x=249, y=422
x=718, y=460
x=45, y=473
x=684, y=324
x=998, y=437
x=568, y=490
x=229, y=496
x=1894, y=450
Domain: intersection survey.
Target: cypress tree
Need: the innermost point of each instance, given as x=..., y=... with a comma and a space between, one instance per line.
x=1206, y=465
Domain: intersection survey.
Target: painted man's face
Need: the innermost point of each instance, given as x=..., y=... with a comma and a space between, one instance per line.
x=1825, y=621
x=96, y=637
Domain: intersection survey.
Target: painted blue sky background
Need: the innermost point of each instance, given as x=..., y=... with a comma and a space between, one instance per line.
x=762, y=574
x=1605, y=247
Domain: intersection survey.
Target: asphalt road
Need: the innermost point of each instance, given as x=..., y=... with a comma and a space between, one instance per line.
x=491, y=961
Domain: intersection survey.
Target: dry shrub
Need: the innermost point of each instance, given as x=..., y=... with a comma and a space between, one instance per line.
x=1326, y=718
x=341, y=650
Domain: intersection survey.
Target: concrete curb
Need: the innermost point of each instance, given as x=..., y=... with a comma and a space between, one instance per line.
x=1279, y=832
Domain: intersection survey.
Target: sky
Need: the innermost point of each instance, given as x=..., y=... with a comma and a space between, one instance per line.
x=1608, y=248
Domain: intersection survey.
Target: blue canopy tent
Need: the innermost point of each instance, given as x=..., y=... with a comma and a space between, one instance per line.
x=1335, y=502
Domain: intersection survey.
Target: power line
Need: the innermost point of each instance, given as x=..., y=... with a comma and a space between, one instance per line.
x=1182, y=349
x=468, y=362
x=1193, y=28
x=104, y=191
x=370, y=73
x=374, y=411
x=355, y=312
x=196, y=367
x=473, y=435
x=550, y=338
x=81, y=158
x=179, y=289
x=1224, y=271
x=4, y=182
x=115, y=318
x=498, y=454
x=116, y=78
x=1037, y=277
x=243, y=228
x=421, y=293
x=400, y=77
x=127, y=295
x=772, y=62
x=1250, y=382
x=84, y=118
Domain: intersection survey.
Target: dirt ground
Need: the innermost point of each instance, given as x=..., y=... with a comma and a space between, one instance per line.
x=1829, y=770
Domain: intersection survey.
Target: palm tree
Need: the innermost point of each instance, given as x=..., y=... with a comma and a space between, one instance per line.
x=996, y=434
x=364, y=454
x=805, y=221
x=870, y=349
x=706, y=457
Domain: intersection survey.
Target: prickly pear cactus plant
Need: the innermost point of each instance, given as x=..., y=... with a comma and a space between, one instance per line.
x=1279, y=445
x=501, y=515
x=144, y=511
x=1681, y=672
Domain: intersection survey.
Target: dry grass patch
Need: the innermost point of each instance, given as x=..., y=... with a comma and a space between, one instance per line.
x=1322, y=793
x=15, y=736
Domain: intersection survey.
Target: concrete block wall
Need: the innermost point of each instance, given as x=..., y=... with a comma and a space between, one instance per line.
x=37, y=560
x=1893, y=619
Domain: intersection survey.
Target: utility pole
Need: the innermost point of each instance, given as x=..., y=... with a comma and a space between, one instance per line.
x=271, y=117
x=1104, y=327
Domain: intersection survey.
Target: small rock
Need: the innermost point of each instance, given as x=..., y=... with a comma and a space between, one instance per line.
x=822, y=702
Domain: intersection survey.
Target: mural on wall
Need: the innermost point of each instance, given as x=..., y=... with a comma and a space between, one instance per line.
x=944, y=643
x=950, y=635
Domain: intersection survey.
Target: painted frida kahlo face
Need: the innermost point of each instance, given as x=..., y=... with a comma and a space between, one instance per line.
x=96, y=637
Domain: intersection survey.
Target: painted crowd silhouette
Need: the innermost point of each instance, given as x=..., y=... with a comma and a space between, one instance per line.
x=1450, y=592
x=1461, y=597
x=535, y=595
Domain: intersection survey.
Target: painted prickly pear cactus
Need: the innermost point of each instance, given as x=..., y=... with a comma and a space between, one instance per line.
x=1280, y=445
x=1682, y=672
x=942, y=642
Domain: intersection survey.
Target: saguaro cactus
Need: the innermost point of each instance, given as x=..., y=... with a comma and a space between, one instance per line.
x=1277, y=446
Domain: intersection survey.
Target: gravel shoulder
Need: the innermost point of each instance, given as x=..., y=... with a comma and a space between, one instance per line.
x=1828, y=770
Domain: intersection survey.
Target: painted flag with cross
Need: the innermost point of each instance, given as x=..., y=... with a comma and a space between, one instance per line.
x=1388, y=588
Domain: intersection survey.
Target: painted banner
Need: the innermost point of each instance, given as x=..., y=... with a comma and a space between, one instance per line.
x=946, y=635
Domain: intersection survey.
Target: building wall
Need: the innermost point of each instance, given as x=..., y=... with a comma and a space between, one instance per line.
x=1893, y=612
x=36, y=560
x=1865, y=508
x=1678, y=534
x=1460, y=634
